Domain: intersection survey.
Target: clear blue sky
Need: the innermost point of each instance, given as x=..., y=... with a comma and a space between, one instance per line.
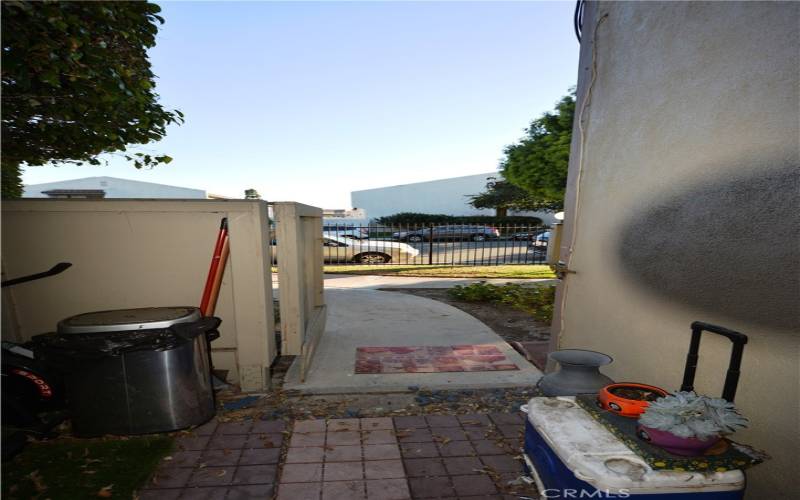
x=308, y=101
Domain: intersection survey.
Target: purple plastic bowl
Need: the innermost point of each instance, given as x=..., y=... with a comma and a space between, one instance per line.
x=687, y=447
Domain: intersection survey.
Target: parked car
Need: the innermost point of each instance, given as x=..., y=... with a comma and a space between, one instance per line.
x=344, y=231
x=540, y=241
x=526, y=235
x=342, y=250
x=455, y=232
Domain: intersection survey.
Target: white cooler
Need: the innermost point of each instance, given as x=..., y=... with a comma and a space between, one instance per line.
x=570, y=455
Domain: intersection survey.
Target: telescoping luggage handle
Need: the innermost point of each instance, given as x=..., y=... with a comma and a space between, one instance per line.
x=732, y=376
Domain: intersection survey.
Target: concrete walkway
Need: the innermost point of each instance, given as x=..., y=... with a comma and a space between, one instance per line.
x=373, y=282
x=367, y=317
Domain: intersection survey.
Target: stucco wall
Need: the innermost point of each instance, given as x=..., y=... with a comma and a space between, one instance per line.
x=443, y=196
x=688, y=206
x=142, y=253
x=117, y=188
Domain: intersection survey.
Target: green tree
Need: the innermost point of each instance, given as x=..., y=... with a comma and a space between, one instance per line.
x=538, y=163
x=503, y=196
x=76, y=83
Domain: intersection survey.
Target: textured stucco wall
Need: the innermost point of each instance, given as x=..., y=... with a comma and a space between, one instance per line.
x=688, y=206
x=142, y=253
x=443, y=196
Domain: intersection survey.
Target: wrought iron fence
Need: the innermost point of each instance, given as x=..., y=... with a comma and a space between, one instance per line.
x=435, y=244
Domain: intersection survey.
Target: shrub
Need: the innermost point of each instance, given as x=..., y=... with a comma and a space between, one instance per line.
x=413, y=218
x=535, y=300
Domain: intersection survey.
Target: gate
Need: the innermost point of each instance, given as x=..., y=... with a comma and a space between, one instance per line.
x=435, y=244
x=299, y=254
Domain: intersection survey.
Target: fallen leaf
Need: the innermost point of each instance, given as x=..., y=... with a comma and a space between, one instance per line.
x=105, y=491
x=37, y=480
x=441, y=439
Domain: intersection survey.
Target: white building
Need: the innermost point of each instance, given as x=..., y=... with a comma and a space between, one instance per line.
x=110, y=187
x=443, y=196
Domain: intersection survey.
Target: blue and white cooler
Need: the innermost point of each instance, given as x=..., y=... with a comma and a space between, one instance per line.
x=571, y=455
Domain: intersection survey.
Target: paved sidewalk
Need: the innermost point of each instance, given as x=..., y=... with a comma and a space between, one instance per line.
x=374, y=282
x=371, y=318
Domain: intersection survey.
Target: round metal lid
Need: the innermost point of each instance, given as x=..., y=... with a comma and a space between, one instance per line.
x=121, y=320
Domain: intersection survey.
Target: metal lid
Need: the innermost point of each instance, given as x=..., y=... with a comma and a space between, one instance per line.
x=121, y=320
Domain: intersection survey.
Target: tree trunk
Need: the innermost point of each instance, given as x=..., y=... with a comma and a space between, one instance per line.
x=501, y=211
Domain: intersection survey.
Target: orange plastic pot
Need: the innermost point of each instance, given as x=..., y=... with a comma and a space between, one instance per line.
x=614, y=398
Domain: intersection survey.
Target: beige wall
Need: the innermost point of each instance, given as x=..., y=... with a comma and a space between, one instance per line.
x=688, y=206
x=141, y=253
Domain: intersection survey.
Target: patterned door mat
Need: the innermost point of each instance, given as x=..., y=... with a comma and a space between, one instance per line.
x=432, y=359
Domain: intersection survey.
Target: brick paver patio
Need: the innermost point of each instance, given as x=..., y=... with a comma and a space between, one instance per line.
x=466, y=457
x=232, y=461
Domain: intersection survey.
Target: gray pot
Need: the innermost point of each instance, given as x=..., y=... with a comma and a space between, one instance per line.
x=579, y=373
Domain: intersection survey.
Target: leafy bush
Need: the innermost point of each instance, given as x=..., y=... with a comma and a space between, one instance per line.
x=535, y=300
x=413, y=218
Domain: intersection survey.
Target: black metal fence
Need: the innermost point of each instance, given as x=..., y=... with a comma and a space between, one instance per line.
x=435, y=244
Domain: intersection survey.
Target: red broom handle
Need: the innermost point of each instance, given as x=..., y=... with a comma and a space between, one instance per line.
x=212, y=302
x=212, y=271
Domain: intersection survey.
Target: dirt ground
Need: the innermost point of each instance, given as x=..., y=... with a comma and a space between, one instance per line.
x=512, y=325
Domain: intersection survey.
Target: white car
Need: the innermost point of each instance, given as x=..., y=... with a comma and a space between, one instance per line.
x=355, y=232
x=341, y=250
x=365, y=251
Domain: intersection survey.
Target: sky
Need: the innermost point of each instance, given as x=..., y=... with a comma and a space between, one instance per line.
x=308, y=101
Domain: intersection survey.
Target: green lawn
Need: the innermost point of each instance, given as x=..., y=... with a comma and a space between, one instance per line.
x=81, y=468
x=512, y=271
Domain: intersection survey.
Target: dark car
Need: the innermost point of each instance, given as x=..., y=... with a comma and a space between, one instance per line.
x=454, y=233
x=526, y=235
x=539, y=243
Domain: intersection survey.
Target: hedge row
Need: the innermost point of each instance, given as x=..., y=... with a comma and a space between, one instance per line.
x=405, y=218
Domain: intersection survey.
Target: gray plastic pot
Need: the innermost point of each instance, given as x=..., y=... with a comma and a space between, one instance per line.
x=579, y=373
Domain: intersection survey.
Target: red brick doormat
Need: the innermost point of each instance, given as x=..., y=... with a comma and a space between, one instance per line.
x=431, y=359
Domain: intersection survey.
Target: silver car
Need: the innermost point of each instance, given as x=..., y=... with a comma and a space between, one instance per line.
x=342, y=250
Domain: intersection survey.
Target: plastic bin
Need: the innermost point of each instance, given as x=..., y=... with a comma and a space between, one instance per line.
x=134, y=371
x=570, y=455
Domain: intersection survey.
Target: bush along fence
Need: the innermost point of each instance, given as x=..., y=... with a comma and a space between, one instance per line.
x=439, y=243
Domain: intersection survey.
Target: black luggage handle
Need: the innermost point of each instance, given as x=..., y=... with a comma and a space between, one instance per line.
x=732, y=376
x=57, y=269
